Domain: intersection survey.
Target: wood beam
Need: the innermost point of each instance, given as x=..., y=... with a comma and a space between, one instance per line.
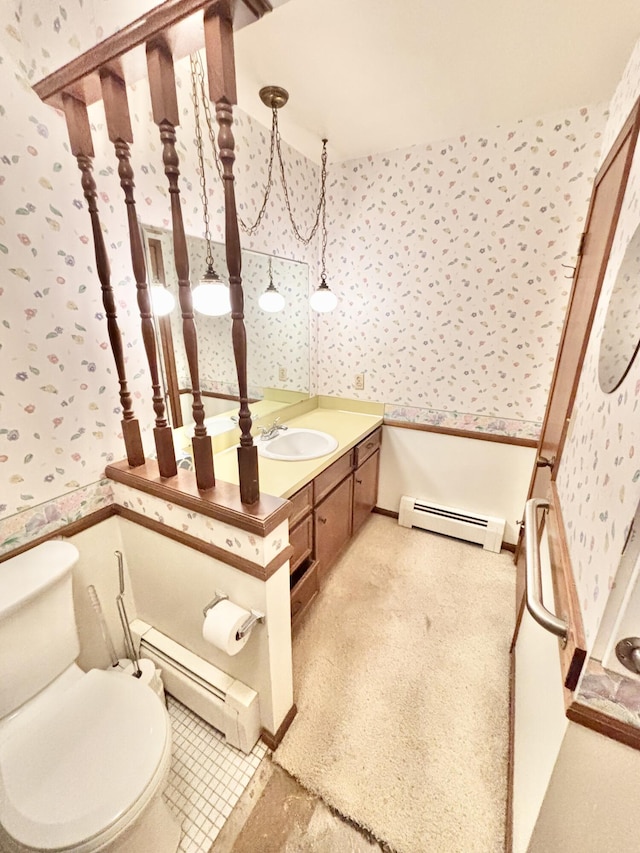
x=177, y=21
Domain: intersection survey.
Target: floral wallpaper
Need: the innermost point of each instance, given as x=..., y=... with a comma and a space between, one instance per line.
x=599, y=476
x=510, y=427
x=45, y=519
x=59, y=408
x=448, y=261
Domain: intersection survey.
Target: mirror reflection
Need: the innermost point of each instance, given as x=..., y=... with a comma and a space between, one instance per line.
x=277, y=342
x=621, y=333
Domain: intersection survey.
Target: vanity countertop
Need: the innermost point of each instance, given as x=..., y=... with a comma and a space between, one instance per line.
x=283, y=479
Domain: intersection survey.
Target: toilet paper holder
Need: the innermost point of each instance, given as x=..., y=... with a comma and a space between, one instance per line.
x=247, y=626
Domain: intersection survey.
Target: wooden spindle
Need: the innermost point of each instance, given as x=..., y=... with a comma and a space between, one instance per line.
x=82, y=148
x=116, y=108
x=164, y=103
x=222, y=90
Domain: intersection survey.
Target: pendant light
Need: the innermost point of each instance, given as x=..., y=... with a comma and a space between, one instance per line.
x=274, y=97
x=323, y=299
x=271, y=300
x=162, y=300
x=211, y=294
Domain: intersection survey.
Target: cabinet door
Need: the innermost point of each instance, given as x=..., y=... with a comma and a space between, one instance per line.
x=332, y=524
x=365, y=490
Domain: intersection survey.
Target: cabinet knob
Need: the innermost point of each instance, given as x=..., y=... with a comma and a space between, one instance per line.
x=359, y=482
x=322, y=520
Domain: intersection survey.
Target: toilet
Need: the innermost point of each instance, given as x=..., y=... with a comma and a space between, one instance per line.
x=84, y=757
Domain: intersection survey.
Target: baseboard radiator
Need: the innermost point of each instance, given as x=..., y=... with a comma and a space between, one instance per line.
x=483, y=529
x=223, y=701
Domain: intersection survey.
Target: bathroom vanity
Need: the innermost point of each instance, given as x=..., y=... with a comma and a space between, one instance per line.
x=327, y=512
x=331, y=496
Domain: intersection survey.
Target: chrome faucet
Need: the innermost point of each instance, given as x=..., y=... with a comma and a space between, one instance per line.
x=268, y=432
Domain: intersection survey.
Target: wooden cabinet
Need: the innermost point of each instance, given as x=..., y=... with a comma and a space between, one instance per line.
x=303, y=593
x=326, y=513
x=301, y=538
x=332, y=524
x=365, y=489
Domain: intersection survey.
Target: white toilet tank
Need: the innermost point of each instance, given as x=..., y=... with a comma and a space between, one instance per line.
x=38, y=635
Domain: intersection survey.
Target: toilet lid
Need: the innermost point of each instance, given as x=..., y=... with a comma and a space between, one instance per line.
x=67, y=775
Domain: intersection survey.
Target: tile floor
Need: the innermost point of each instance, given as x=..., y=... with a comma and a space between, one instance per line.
x=206, y=778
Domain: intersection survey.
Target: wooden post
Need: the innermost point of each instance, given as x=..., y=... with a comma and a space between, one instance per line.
x=164, y=105
x=222, y=90
x=82, y=148
x=116, y=108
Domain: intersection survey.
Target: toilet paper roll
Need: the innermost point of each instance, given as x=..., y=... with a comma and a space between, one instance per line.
x=222, y=623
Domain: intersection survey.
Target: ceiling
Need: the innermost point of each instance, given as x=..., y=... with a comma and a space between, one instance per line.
x=374, y=75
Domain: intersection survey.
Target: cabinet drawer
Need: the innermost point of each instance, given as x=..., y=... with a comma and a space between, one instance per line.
x=304, y=592
x=368, y=446
x=333, y=475
x=301, y=538
x=302, y=503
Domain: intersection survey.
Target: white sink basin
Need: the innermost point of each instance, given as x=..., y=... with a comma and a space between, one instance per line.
x=296, y=445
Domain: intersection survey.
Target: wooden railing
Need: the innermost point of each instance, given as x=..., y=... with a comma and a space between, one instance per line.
x=148, y=47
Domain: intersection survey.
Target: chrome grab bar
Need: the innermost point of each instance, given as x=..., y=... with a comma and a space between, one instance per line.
x=533, y=578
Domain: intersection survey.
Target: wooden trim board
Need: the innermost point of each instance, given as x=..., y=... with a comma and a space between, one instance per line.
x=463, y=433
x=66, y=530
x=604, y=724
x=177, y=22
x=508, y=835
x=221, y=502
x=573, y=655
x=263, y=573
x=273, y=740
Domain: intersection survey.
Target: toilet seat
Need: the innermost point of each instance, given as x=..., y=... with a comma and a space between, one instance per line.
x=50, y=796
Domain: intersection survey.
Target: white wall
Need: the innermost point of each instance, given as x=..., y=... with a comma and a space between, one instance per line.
x=478, y=476
x=168, y=585
x=173, y=583
x=98, y=565
x=592, y=797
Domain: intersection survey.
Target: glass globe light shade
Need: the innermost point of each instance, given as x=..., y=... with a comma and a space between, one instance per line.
x=323, y=299
x=211, y=295
x=271, y=300
x=162, y=300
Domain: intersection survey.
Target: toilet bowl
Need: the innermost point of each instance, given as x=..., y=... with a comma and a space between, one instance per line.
x=83, y=769
x=84, y=757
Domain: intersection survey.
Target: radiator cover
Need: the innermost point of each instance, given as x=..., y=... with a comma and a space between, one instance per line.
x=223, y=701
x=482, y=529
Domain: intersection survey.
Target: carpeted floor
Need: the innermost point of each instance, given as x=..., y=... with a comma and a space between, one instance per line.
x=401, y=674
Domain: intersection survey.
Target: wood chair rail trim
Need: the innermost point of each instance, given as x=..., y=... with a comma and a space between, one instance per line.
x=222, y=502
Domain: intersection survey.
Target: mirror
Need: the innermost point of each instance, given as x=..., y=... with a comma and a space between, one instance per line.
x=278, y=360
x=621, y=333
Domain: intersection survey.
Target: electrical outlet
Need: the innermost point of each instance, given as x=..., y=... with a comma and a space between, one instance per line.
x=282, y=374
x=358, y=382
